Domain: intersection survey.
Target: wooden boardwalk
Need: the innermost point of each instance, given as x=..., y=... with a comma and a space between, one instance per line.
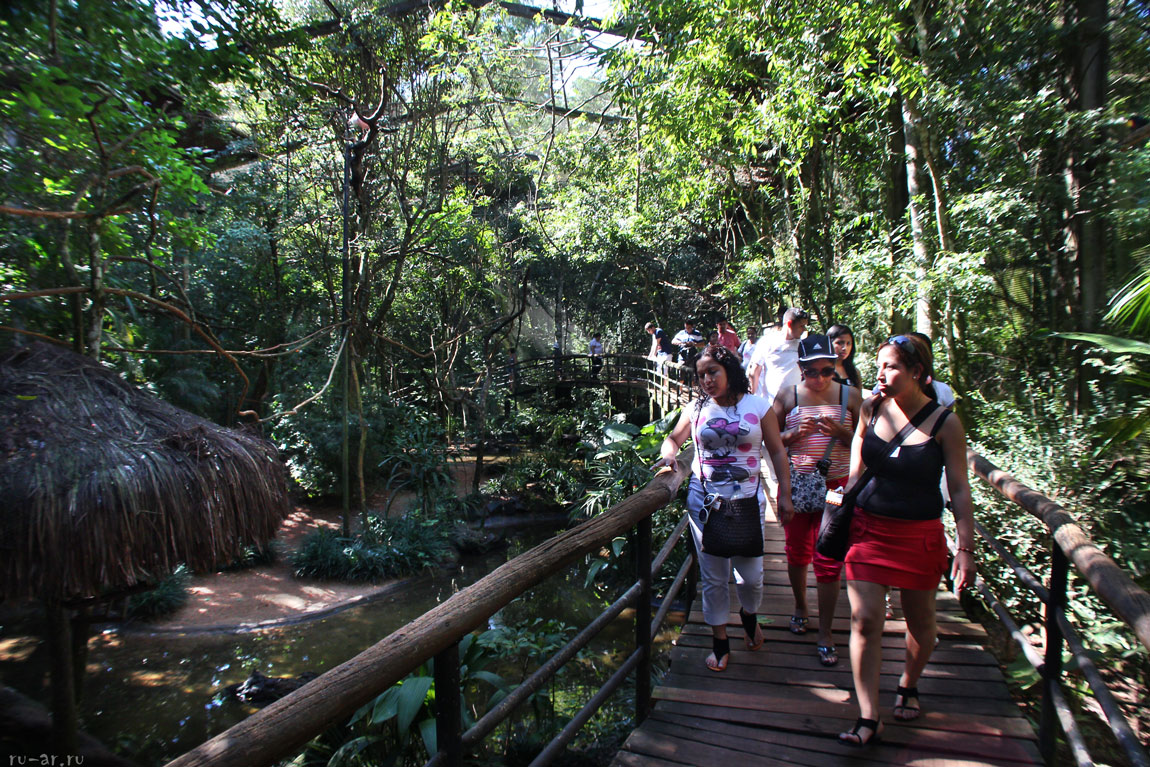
x=780, y=706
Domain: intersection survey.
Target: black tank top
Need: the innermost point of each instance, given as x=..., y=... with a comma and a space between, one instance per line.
x=905, y=486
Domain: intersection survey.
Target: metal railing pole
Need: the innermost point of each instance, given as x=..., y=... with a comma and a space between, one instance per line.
x=643, y=619
x=1052, y=665
x=448, y=716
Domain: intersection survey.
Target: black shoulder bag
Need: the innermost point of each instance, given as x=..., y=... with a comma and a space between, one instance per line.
x=834, y=538
x=731, y=527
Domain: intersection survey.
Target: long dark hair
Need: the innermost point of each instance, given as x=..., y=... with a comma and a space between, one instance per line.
x=737, y=382
x=913, y=351
x=853, y=377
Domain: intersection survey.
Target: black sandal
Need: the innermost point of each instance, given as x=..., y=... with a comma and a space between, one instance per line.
x=906, y=693
x=751, y=630
x=870, y=724
x=721, y=651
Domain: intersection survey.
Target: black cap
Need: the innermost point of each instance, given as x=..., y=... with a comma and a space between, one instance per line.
x=816, y=347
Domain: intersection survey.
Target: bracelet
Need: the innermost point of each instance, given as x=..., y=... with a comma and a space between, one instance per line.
x=964, y=548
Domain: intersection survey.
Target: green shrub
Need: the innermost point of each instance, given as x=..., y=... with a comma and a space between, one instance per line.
x=393, y=548
x=169, y=595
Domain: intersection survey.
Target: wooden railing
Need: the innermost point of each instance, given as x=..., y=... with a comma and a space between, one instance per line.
x=1069, y=545
x=669, y=384
x=284, y=727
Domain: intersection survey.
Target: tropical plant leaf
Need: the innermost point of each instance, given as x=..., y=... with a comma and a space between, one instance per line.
x=412, y=694
x=427, y=732
x=1115, y=344
x=351, y=748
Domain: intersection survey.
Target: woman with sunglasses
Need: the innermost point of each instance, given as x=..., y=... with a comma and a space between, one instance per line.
x=816, y=414
x=730, y=428
x=843, y=343
x=896, y=535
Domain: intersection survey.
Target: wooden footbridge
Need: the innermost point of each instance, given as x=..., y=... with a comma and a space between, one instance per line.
x=779, y=706
x=774, y=706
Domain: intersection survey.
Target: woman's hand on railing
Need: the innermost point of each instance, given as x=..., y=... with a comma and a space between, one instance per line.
x=665, y=463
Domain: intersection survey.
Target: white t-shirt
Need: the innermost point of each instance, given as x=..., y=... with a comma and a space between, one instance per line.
x=595, y=346
x=778, y=361
x=731, y=450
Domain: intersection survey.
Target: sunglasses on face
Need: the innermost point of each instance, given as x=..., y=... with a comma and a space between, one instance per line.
x=824, y=372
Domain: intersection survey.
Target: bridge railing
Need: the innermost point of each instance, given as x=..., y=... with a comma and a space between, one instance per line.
x=1070, y=545
x=669, y=384
x=283, y=728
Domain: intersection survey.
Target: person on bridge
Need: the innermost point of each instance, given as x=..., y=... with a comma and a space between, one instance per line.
x=595, y=349
x=816, y=418
x=775, y=361
x=896, y=533
x=689, y=342
x=661, y=346
x=730, y=428
x=843, y=342
x=747, y=347
x=728, y=336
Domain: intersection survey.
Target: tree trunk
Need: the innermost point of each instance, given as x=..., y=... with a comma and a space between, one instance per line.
x=896, y=199
x=1086, y=235
x=923, y=247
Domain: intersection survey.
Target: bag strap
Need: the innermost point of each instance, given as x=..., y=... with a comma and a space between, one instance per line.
x=842, y=418
x=923, y=413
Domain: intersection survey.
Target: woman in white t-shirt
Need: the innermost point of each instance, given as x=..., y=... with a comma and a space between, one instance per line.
x=734, y=431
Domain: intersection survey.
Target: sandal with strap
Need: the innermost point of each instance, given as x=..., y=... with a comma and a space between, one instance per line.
x=798, y=624
x=902, y=711
x=752, y=631
x=828, y=655
x=874, y=725
x=720, y=654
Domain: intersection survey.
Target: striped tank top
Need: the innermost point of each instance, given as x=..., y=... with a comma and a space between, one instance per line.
x=808, y=451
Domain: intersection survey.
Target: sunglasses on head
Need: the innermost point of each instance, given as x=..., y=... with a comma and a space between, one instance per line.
x=824, y=372
x=904, y=342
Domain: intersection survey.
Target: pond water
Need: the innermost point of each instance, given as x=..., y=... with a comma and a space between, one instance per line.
x=155, y=696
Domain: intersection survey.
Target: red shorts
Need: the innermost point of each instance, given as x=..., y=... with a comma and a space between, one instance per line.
x=906, y=554
x=801, y=535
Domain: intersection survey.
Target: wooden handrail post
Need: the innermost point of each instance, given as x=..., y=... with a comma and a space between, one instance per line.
x=448, y=714
x=643, y=619
x=1049, y=726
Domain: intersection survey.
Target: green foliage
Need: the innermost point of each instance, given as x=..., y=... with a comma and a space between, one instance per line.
x=395, y=548
x=168, y=595
x=621, y=462
x=543, y=481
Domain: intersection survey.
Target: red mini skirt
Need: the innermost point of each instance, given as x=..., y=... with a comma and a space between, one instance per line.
x=905, y=554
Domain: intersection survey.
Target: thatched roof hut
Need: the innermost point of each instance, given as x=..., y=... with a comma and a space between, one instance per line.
x=104, y=486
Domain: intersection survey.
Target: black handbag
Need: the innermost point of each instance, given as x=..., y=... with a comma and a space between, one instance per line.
x=734, y=528
x=731, y=527
x=834, y=537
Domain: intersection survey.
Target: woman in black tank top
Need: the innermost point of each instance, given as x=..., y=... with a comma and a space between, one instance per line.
x=897, y=538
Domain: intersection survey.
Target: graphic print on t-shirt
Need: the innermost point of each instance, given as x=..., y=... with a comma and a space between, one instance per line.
x=719, y=438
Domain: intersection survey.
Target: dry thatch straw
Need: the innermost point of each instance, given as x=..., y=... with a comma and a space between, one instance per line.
x=104, y=486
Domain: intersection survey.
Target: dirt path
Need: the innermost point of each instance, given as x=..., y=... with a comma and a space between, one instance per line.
x=270, y=595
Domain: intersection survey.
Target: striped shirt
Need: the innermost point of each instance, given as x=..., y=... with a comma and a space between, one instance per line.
x=809, y=450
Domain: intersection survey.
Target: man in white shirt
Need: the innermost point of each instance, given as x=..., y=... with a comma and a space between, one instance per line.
x=688, y=342
x=595, y=349
x=775, y=361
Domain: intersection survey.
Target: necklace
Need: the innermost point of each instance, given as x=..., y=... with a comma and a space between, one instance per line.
x=732, y=410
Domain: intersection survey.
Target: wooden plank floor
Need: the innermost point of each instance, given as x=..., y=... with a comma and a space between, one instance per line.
x=780, y=706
